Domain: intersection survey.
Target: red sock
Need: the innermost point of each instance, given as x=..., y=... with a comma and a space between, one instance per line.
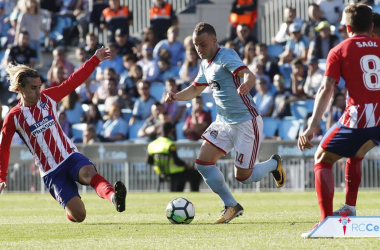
x=353, y=179
x=324, y=186
x=102, y=187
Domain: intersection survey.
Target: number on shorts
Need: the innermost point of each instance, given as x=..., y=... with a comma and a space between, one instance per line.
x=239, y=157
x=371, y=73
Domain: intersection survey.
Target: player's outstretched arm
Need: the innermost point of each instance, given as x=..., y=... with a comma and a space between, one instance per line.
x=79, y=76
x=249, y=81
x=321, y=101
x=184, y=95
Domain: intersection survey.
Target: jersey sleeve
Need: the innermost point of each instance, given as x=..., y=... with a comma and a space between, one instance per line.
x=200, y=80
x=74, y=81
x=232, y=62
x=6, y=136
x=333, y=66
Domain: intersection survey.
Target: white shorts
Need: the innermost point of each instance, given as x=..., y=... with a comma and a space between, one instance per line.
x=244, y=137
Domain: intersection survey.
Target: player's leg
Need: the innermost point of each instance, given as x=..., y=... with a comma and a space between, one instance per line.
x=353, y=177
x=248, y=136
x=115, y=194
x=75, y=210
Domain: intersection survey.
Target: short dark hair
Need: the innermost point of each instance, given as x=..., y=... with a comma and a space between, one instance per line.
x=204, y=28
x=359, y=17
x=167, y=127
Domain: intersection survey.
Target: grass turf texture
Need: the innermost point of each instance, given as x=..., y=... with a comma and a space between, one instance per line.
x=272, y=220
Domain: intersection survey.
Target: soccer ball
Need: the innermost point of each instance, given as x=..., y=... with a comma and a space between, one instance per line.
x=180, y=211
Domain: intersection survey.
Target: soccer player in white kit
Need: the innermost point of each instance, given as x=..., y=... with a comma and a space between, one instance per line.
x=35, y=119
x=238, y=124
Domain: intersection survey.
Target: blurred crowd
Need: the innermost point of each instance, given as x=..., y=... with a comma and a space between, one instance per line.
x=124, y=98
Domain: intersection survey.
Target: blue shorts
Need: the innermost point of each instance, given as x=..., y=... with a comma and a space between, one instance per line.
x=346, y=142
x=61, y=183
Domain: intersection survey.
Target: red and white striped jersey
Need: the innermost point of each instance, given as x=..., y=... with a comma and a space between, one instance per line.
x=38, y=125
x=357, y=61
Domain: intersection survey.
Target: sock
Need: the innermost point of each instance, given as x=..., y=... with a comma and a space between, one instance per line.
x=324, y=186
x=353, y=179
x=259, y=171
x=215, y=181
x=102, y=187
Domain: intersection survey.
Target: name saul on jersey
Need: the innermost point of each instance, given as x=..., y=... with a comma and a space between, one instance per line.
x=367, y=44
x=41, y=125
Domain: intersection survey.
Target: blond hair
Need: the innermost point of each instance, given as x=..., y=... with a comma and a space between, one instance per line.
x=18, y=75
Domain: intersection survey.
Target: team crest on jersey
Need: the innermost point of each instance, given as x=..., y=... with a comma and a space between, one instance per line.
x=214, y=85
x=42, y=125
x=214, y=134
x=44, y=105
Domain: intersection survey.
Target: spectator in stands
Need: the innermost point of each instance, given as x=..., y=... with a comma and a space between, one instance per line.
x=148, y=64
x=315, y=17
x=269, y=62
x=128, y=61
x=30, y=19
x=64, y=122
x=59, y=59
x=176, y=110
x=92, y=43
x=83, y=14
x=166, y=70
x=282, y=98
x=323, y=41
x=376, y=25
x=258, y=70
x=298, y=78
x=313, y=79
x=123, y=41
x=11, y=33
x=115, y=128
x=82, y=56
x=150, y=36
x=161, y=17
x=129, y=85
x=336, y=109
x=196, y=122
x=101, y=93
x=21, y=52
x=188, y=42
x=289, y=17
x=112, y=97
x=89, y=135
x=72, y=107
x=263, y=99
x=116, y=16
x=58, y=76
x=242, y=11
x=141, y=109
x=296, y=47
x=173, y=45
x=115, y=62
x=231, y=45
x=152, y=125
x=343, y=32
x=249, y=53
x=189, y=69
x=179, y=171
x=94, y=118
x=243, y=37
x=332, y=10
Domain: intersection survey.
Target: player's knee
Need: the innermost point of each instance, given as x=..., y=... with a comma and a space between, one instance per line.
x=78, y=216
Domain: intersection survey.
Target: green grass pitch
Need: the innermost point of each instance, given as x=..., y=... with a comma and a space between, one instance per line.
x=272, y=220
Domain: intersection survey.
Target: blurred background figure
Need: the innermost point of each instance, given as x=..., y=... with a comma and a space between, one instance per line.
x=242, y=11
x=196, y=122
x=161, y=17
x=89, y=135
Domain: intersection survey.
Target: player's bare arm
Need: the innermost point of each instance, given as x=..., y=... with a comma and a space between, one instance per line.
x=187, y=94
x=321, y=101
x=249, y=81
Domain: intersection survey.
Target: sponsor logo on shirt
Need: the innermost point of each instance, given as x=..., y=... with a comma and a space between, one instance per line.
x=42, y=125
x=214, y=85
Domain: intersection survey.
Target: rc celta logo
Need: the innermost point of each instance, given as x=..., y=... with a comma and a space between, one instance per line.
x=344, y=220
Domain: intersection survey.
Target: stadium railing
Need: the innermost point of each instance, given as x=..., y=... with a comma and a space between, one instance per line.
x=126, y=162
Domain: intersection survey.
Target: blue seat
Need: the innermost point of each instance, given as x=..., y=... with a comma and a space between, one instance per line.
x=134, y=129
x=376, y=8
x=157, y=89
x=77, y=130
x=127, y=114
x=286, y=71
x=289, y=128
x=179, y=131
x=270, y=126
x=275, y=49
x=299, y=109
